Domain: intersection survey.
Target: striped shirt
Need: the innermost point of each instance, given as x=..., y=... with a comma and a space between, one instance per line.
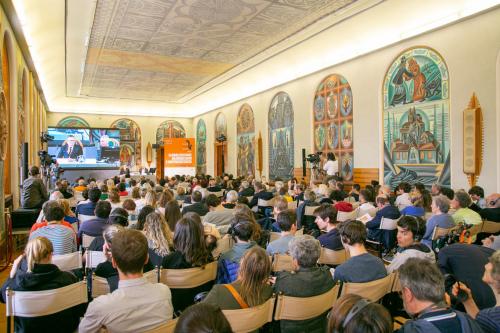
x=489, y=319
x=63, y=238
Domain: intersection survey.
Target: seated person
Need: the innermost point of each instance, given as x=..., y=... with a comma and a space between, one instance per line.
x=63, y=239
x=304, y=221
x=94, y=227
x=114, y=198
x=71, y=148
x=246, y=190
x=180, y=193
x=231, y=199
x=403, y=196
x=423, y=297
x=365, y=204
x=355, y=192
x=69, y=216
x=488, y=318
x=417, y=205
x=338, y=201
x=492, y=210
x=288, y=227
x=217, y=215
x=118, y=216
x=476, y=194
x=250, y=288
x=352, y=313
x=159, y=236
x=326, y=220
x=42, y=222
x=299, y=192
x=353, y=235
x=212, y=186
x=203, y=317
x=62, y=186
x=260, y=193
x=241, y=231
x=305, y=251
x=137, y=305
x=33, y=193
x=34, y=271
x=190, y=251
x=386, y=237
x=268, y=222
x=130, y=207
x=197, y=206
x=81, y=186
x=122, y=190
x=89, y=207
x=466, y=263
x=410, y=231
x=440, y=218
x=463, y=214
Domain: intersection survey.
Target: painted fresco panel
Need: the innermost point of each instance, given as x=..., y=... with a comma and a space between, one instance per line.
x=130, y=138
x=72, y=121
x=220, y=125
x=246, y=141
x=333, y=122
x=201, y=147
x=169, y=129
x=281, y=137
x=416, y=119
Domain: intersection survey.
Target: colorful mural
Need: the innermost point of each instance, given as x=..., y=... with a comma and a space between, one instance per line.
x=72, y=121
x=130, y=138
x=281, y=137
x=21, y=114
x=220, y=125
x=416, y=119
x=201, y=147
x=169, y=129
x=245, y=127
x=333, y=119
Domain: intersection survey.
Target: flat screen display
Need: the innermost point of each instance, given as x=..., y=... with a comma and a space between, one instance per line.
x=85, y=148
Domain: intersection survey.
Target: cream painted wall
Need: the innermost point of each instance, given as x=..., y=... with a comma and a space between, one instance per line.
x=148, y=126
x=470, y=49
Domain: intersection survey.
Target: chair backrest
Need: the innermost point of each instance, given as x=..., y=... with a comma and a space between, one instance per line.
x=223, y=245
x=370, y=211
x=309, y=210
x=94, y=258
x=100, y=286
x=86, y=240
x=68, y=262
x=344, y=216
x=282, y=262
x=180, y=202
x=250, y=319
x=373, y=290
x=250, y=197
x=45, y=302
x=396, y=285
x=168, y=327
x=302, y=308
x=300, y=232
x=151, y=276
x=388, y=224
x=82, y=218
x=190, y=277
x=441, y=232
x=476, y=228
x=265, y=203
x=292, y=205
x=331, y=257
x=491, y=227
x=219, y=194
x=274, y=236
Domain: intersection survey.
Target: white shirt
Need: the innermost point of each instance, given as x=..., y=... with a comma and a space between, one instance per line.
x=331, y=167
x=136, y=306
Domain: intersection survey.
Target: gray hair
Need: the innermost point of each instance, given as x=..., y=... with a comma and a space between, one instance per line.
x=305, y=249
x=442, y=203
x=278, y=185
x=109, y=233
x=423, y=279
x=495, y=271
x=309, y=195
x=463, y=198
x=232, y=196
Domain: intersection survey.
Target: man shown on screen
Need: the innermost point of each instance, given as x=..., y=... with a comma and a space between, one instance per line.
x=71, y=148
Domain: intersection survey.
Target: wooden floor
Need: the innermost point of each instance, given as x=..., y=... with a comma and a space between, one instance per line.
x=3, y=320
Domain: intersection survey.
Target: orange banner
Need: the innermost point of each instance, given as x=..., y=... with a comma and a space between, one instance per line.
x=179, y=152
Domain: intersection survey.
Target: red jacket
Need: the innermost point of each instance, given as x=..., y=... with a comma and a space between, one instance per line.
x=343, y=206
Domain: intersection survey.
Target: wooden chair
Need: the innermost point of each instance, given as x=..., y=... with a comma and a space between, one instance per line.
x=345, y=216
x=373, y=290
x=491, y=227
x=440, y=232
x=94, y=258
x=282, y=262
x=475, y=229
x=68, y=262
x=309, y=210
x=302, y=308
x=43, y=303
x=223, y=245
x=189, y=277
x=292, y=205
x=385, y=224
x=100, y=286
x=396, y=285
x=274, y=236
x=250, y=319
x=261, y=203
x=331, y=257
x=168, y=327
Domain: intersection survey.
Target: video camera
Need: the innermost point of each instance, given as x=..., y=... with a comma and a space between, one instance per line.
x=314, y=158
x=46, y=159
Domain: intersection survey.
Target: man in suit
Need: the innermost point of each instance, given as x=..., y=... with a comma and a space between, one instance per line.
x=246, y=190
x=70, y=149
x=260, y=193
x=197, y=206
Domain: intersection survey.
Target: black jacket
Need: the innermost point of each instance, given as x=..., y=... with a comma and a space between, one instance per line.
x=44, y=277
x=246, y=192
x=198, y=208
x=264, y=195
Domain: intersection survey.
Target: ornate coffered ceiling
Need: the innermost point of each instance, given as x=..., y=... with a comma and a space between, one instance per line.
x=162, y=50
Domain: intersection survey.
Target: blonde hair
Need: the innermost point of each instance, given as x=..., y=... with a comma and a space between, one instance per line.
x=416, y=199
x=65, y=206
x=158, y=233
x=150, y=198
x=37, y=249
x=254, y=270
x=110, y=184
x=114, y=196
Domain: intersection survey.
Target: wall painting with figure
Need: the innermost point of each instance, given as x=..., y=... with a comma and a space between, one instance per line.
x=130, y=141
x=201, y=147
x=73, y=121
x=246, y=141
x=333, y=122
x=169, y=129
x=281, y=139
x=416, y=121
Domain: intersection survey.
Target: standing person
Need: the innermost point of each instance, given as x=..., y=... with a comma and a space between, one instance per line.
x=332, y=165
x=136, y=305
x=34, y=192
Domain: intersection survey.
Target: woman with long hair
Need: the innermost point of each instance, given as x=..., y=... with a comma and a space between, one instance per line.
x=159, y=238
x=165, y=197
x=150, y=198
x=69, y=216
x=141, y=218
x=251, y=285
x=172, y=214
x=34, y=271
x=114, y=198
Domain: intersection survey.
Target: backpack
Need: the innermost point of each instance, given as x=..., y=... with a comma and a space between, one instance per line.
x=459, y=235
x=422, y=325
